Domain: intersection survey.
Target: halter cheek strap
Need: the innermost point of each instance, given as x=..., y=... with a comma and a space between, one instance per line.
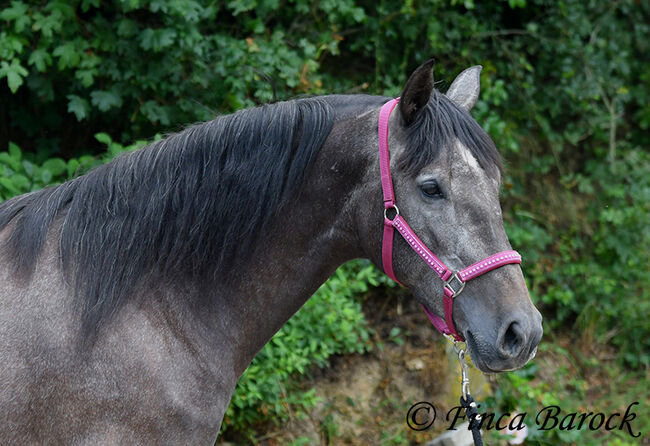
x=453, y=283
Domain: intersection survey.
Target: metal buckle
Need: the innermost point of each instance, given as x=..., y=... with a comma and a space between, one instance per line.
x=451, y=288
x=396, y=212
x=464, y=372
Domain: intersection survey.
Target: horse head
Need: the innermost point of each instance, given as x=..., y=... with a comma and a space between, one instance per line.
x=446, y=176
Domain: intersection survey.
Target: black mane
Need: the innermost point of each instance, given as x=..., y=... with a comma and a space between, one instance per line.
x=188, y=205
x=435, y=128
x=192, y=205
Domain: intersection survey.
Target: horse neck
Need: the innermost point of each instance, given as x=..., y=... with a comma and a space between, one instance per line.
x=310, y=237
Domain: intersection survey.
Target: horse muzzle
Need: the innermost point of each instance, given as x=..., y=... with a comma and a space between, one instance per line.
x=506, y=347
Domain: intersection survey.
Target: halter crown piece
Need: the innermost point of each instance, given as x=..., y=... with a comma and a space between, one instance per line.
x=453, y=282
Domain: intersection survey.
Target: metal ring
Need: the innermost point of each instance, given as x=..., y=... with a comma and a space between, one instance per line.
x=396, y=212
x=465, y=389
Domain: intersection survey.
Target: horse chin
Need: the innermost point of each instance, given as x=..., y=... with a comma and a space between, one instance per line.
x=481, y=354
x=484, y=362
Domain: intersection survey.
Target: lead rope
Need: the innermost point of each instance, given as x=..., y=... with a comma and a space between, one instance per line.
x=466, y=400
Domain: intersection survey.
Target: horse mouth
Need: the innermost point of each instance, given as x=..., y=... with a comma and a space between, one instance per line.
x=473, y=351
x=484, y=364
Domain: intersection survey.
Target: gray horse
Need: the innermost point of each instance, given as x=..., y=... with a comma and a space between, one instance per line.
x=133, y=297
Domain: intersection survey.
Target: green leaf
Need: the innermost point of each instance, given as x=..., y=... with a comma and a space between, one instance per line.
x=105, y=100
x=155, y=113
x=79, y=106
x=15, y=151
x=40, y=58
x=68, y=54
x=239, y=6
x=115, y=149
x=9, y=185
x=13, y=163
x=14, y=73
x=104, y=138
x=14, y=81
x=127, y=28
x=73, y=165
x=16, y=11
x=46, y=176
x=49, y=24
x=86, y=4
x=56, y=166
x=157, y=39
x=10, y=46
x=28, y=168
x=20, y=182
x=86, y=76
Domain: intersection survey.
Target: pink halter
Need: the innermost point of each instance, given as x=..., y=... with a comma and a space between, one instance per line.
x=451, y=289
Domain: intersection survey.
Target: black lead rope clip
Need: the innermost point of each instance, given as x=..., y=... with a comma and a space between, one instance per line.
x=471, y=411
x=466, y=400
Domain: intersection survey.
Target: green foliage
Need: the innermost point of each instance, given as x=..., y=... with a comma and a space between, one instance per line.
x=524, y=391
x=142, y=65
x=595, y=271
x=565, y=96
x=22, y=172
x=330, y=323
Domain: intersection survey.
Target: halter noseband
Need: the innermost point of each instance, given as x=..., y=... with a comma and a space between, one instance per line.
x=454, y=282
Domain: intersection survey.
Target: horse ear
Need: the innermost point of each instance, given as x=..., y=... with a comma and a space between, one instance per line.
x=466, y=87
x=417, y=92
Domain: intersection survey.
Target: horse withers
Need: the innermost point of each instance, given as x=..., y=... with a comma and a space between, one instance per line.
x=133, y=297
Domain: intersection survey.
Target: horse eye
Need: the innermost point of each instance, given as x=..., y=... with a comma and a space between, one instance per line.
x=431, y=189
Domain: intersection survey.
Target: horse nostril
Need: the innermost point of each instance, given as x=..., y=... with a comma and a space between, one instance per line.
x=512, y=341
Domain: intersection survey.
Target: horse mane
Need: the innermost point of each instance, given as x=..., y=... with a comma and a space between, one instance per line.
x=187, y=206
x=192, y=205
x=436, y=127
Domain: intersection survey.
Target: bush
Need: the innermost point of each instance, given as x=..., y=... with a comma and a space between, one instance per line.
x=565, y=95
x=144, y=66
x=22, y=172
x=592, y=270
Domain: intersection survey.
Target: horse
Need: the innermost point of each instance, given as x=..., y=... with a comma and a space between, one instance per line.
x=134, y=296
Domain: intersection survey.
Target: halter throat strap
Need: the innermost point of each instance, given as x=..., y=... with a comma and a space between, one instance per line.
x=453, y=282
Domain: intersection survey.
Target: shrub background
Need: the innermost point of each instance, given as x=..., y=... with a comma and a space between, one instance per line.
x=565, y=96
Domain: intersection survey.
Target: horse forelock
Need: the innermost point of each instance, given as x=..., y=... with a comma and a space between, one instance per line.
x=437, y=127
x=189, y=206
